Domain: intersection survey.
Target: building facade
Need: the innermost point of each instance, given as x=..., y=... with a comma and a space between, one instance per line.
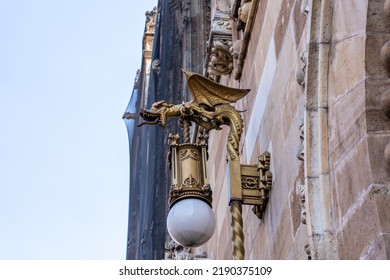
x=319, y=103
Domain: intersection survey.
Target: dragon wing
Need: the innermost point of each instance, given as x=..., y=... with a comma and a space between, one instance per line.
x=209, y=93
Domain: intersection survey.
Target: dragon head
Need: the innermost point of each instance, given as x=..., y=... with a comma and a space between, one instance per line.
x=157, y=114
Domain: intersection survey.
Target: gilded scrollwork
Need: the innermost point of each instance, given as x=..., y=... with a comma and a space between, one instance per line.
x=249, y=182
x=190, y=181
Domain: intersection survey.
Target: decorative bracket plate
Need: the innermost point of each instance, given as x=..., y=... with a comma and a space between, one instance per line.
x=256, y=183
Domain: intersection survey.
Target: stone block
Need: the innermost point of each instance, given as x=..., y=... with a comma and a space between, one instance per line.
x=377, y=121
x=347, y=124
x=346, y=69
x=377, y=21
x=349, y=19
x=359, y=229
x=375, y=89
x=352, y=179
x=380, y=168
x=381, y=194
x=375, y=68
x=292, y=107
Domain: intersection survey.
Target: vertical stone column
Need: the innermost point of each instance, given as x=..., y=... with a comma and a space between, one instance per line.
x=317, y=186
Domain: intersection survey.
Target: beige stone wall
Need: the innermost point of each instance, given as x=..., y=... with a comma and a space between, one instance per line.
x=360, y=133
x=335, y=122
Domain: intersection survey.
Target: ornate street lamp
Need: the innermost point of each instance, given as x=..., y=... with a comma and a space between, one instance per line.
x=190, y=220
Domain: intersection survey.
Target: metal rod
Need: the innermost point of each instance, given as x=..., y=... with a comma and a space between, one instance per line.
x=238, y=234
x=185, y=125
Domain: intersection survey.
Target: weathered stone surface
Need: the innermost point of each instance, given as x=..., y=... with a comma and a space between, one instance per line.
x=352, y=178
x=385, y=55
x=376, y=250
x=363, y=221
x=385, y=103
x=381, y=193
x=349, y=19
x=374, y=64
x=387, y=153
x=377, y=21
x=282, y=23
x=283, y=234
x=376, y=154
x=347, y=124
x=348, y=55
x=295, y=207
x=368, y=219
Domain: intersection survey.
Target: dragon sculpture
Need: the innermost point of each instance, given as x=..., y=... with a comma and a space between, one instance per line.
x=209, y=108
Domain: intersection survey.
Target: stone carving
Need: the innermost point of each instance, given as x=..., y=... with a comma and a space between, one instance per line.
x=175, y=251
x=222, y=5
x=156, y=65
x=387, y=153
x=302, y=72
x=308, y=251
x=221, y=23
x=385, y=103
x=385, y=55
x=302, y=197
x=243, y=11
x=235, y=49
x=301, y=148
x=151, y=20
x=136, y=80
x=219, y=60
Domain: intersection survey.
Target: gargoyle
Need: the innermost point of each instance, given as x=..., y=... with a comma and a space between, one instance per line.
x=210, y=108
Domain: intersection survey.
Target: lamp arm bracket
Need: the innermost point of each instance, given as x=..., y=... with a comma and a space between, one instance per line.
x=256, y=184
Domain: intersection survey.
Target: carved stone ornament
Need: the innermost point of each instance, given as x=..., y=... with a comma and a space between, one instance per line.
x=243, y=11
x=175, y=251
x=236, y=49
x=151, y=20
x=219, y=60
x=301, y=148
x=301, y=73
x=156, y=65
x=302, y=197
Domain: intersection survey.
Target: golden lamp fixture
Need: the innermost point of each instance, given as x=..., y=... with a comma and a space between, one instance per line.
x=191, y=220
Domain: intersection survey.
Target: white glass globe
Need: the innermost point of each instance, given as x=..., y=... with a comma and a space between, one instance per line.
x=191, y=222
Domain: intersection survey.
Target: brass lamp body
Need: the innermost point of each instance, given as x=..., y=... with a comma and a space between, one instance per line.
x=189, y=173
